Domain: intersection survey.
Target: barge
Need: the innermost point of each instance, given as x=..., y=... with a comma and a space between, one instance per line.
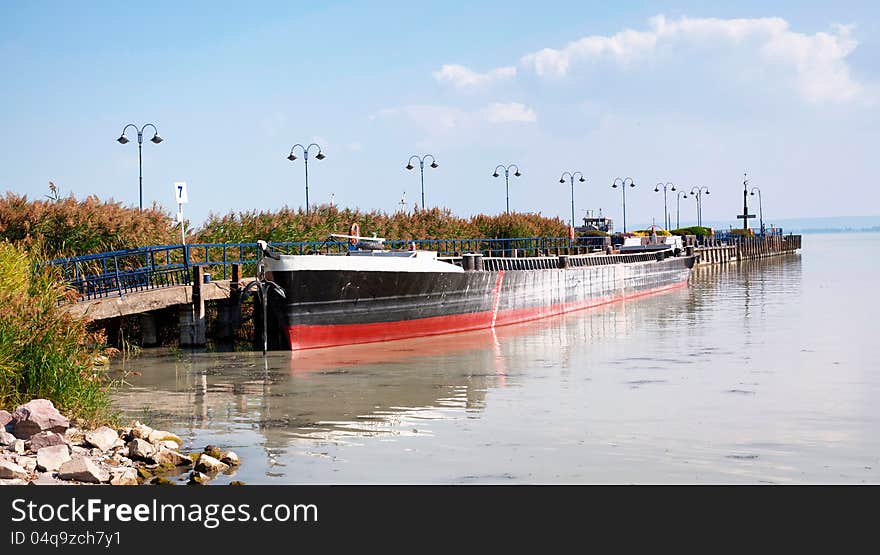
x=370, y=294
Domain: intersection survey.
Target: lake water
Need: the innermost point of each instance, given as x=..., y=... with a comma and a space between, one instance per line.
x=763, y=371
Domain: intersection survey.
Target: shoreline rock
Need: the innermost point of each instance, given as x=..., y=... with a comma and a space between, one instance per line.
x=39, y=446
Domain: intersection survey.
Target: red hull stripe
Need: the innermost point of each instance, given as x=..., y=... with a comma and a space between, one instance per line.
x=313, y=337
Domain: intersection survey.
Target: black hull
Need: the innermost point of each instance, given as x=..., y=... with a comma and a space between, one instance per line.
x=326, y=308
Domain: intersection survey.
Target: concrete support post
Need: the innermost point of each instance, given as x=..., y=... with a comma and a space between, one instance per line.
x=192, y=317
x=149, y=337
x=478, y=262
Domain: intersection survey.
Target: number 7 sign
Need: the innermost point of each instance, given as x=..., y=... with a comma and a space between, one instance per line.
x=180, y=192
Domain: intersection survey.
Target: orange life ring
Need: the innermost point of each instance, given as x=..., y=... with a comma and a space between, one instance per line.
x=571, y=232
x=355, y=232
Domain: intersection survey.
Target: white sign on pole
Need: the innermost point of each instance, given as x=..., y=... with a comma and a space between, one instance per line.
x=180, y=192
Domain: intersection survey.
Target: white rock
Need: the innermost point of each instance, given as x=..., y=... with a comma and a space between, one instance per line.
x=17, y=447
x=170, y=456
x=52, y=457
x=11, y=471
x=230, y=458
x=36, y=416
x=103, y=438
x=123, y=477
x=82, y=469
x=47, y=479
x=140, y=449
x=169, y=444
x=74, y=436
x=5, y=437
x=140, y=431
x=5, y=418
x=44, y=439
x=121, y=460
x=158, y=436
x=29, y=463
x=210, y=465
x=197, y=478
x=13, y=482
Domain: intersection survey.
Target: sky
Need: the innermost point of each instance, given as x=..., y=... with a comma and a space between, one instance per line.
x=681, y=92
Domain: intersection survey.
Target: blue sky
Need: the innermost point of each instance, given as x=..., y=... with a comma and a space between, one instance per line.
x=659, y=91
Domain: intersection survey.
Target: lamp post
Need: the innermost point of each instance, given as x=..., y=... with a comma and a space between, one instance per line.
x=305, y=154
x=679, y=195
x=760, y=208
x=140, y=137
x=623, y=184
x=698, y=192
x=665, y=210
x=507, y=179
x=421, y=160
x=571, y=177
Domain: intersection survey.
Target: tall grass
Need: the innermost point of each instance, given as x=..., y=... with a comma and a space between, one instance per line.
x=69, y=227
x=60, y=227
x=286, y=224
x=44, y=352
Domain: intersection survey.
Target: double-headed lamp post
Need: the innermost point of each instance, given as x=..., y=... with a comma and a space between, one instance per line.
x=571, y=177
x=698, y=192
x=507, y=179
x=678, y=196
x=421, y=160
x=665, y=209
x=623, y=183
x=760, y=208
x=140, y=137
x=305, y=154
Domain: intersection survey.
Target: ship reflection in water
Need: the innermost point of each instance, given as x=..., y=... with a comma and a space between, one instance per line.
x=346, y=396
x=727, y=380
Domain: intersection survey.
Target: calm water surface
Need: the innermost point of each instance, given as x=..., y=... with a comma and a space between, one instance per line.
x=758, y=372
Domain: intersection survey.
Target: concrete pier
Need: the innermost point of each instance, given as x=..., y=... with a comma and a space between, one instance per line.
x=746, y=248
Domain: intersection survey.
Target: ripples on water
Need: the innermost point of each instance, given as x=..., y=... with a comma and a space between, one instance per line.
x=764, y=371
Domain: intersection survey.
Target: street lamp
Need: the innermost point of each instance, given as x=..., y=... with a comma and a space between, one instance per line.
x=305, y=154
x=155, y=140
x=623, y=184
x=665, y=210
x=698, y=192
x=421, y=160
x=571, y=177
x=507, y=179
x=679, y=195
x=760, y=208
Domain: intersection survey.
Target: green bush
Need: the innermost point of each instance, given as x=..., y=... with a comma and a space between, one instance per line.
x=744, y=232
x=693, y=230
x=44, y=352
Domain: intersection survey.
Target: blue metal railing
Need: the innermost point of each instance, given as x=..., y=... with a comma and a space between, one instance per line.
x=118, y=273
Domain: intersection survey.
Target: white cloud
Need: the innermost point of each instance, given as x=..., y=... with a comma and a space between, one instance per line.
x=463, y=78
x=447, y=118
x=497, y=112
x=450, y=121
x=816, y=62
